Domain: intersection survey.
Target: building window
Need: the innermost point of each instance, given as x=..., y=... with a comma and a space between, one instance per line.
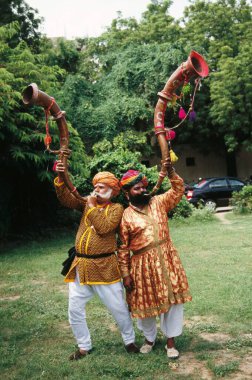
x=190, y=161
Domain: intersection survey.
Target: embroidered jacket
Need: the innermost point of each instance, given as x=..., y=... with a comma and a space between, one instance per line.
x=148, y=255
x=96, y=235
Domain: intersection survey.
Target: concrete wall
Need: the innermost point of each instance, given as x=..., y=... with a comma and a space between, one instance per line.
x=192, y=164
x=244, y=164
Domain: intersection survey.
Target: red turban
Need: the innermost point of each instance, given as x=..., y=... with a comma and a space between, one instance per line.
x=108, y=179
x=131, y=177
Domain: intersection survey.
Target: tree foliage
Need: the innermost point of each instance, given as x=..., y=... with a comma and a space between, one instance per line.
x=63, y=53
x=27, y=19
x=24, y=166
x=124, y=99
x=222, y=29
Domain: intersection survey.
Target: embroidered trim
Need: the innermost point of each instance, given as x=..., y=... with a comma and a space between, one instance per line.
x=57, y=183
x=93, y=283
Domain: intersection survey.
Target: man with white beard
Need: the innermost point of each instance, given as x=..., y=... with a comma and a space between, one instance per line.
x=94, y=269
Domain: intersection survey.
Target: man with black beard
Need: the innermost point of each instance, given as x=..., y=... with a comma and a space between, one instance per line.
x=154, y=278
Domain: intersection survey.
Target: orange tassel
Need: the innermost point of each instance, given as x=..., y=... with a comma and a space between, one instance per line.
x=47, y=140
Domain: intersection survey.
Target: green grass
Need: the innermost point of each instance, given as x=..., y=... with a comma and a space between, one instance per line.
x=36, y=339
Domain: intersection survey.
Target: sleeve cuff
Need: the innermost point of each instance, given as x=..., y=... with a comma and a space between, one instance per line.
x=57, y=183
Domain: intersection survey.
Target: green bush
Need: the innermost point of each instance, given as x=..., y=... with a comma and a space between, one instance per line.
x=242, y=200
x=183, y=210
x=124, y=152
x=202, y=214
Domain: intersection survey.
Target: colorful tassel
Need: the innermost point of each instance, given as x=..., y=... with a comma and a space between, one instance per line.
x=173, y=156
x=192, y=116
x=47, y=140
x=54, y=166
x=170, y=134
x=182, y=113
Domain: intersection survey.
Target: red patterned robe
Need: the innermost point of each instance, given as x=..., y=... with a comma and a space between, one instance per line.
x=148, y=255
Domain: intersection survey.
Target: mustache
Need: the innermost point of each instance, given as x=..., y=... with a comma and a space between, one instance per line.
x=107, y=195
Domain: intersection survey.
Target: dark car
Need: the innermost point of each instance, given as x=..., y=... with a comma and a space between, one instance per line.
x=214, y=192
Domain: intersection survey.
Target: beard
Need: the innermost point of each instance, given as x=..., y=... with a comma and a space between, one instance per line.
x=105, y=197
x=139, y=199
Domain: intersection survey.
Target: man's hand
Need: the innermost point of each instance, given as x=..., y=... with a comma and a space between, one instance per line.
x=168, y=164
x=91, y=201
x=65, y=152
x=128, y=283
x=60, y=167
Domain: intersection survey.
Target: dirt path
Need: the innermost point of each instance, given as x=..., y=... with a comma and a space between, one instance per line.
x=222, y=217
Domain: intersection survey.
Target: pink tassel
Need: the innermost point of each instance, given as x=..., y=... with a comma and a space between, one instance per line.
x=182, y=113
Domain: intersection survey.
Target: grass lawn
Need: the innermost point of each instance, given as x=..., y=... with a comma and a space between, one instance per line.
x=217, y=340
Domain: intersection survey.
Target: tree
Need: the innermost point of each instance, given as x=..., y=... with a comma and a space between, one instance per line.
x=231, y=95
x=156, y=26
x=64, y=54
x=27, y=18
x=25, y=169
x=221, y=31
x=125, y=98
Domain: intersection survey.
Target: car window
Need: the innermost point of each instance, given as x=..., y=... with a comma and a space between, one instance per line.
x=218, y=183
x=200, y=184
x=235, y=182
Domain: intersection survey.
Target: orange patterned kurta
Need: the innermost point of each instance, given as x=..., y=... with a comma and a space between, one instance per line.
x=96, y=234
x=155, y=266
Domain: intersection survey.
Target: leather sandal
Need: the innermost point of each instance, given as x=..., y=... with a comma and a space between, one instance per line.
x=172, y=353
x=78, y=355
x=132, y=348
x=147, y=347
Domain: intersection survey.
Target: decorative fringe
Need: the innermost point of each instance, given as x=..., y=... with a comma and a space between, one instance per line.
x=47, y=140
x=170, y=134
x=54, y=165
x=173, y=156
x=192, y=116
x=182, y=113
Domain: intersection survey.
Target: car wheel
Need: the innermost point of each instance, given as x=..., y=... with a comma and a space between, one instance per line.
x=210, y=205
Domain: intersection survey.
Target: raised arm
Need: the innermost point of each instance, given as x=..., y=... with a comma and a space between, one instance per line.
x=64, y=195
x=172, y=197
x=66, y=198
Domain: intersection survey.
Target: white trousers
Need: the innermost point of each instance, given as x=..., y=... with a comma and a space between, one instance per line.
x=111, y=296
x=171, y=323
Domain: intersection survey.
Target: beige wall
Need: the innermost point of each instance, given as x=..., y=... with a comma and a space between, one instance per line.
x=244, y=164
x=208, y=165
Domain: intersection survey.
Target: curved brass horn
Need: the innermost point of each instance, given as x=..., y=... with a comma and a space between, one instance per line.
x=196, y=67
x=33, y=96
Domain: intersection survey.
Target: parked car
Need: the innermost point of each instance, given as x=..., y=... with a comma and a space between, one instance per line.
x=214, y=192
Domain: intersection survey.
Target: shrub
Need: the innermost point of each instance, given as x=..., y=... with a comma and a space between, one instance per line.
x=202, y=214
x=183, y=210
x=242, y=200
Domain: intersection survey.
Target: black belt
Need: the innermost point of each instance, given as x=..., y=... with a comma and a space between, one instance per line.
x=96, y=256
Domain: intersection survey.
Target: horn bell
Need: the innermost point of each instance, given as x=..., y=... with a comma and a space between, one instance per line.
x=198, y=64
